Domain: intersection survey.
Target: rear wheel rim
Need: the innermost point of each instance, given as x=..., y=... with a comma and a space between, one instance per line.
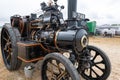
x=6, y=47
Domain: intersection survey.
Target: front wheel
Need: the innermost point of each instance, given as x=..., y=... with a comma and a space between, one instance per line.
x=100, y=66
x=57, y=67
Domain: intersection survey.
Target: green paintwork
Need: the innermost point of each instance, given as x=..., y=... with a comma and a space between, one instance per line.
x=91, y=26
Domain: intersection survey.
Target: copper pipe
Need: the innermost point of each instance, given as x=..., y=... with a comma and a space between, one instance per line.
x=21, y=26
x=28, y=61
x=37, y=44
x=37, y=20
x=45, y=48
x=33, y=34
x=12, y=24
x=23, y=44
x=55, y=40
x=36, y=27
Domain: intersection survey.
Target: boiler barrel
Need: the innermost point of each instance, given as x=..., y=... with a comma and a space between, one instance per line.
x=66, y=38
x=74, y=39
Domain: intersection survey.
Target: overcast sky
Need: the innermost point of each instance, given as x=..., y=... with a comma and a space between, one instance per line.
x=102, y=11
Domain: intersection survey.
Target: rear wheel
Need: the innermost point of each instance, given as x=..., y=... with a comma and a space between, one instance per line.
x=9, y=38
x=57, y=67
x=100, y=66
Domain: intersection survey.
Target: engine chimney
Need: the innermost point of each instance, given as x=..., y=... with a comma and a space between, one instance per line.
x=72, y=7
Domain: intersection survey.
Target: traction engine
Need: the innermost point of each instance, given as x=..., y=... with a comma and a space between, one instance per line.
x=63, y=44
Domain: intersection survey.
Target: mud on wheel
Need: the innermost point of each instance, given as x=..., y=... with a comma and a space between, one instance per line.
x=57, y=67
x=100, y=66
x=9, y=38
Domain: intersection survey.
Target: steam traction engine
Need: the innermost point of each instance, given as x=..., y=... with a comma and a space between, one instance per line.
x=62, y=43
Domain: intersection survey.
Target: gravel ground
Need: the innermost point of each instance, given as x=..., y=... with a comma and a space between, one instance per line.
x=111, y=46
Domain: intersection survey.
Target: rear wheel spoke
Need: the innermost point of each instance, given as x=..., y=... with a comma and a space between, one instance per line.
x=5, y=39
x=5, y=49
x=10, y=49
x=7, y=34
x=8, y=56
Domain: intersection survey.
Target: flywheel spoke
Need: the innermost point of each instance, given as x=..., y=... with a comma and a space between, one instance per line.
x=99, y=68
x=95, y=56
x=95, y=72
x=101, y=62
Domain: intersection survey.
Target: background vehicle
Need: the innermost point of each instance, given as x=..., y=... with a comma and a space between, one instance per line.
x=108, y=32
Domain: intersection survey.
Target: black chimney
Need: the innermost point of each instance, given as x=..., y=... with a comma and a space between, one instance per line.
x=72, y=7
